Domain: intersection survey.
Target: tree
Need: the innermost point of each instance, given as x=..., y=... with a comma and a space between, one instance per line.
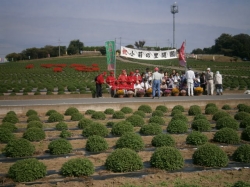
x=75, y=47
x=139, y=44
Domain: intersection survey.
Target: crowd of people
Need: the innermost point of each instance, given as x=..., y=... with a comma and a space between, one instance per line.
x=159, y=81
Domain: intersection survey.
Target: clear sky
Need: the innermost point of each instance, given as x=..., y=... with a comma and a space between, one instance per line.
x=36, y=23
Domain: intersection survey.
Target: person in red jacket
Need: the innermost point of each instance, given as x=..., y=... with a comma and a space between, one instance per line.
x=123, y=79
x=111, y=81
x=131, y=80
x=100, y=79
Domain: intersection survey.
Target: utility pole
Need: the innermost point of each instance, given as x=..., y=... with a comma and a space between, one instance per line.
x=59, y=46
x=174, y=10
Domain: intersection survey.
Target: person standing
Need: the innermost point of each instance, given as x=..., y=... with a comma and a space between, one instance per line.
x=190, y=76
x=100, y=79
x=203, y=81
x=218, y=83
x=210, y=82
x=156, y=82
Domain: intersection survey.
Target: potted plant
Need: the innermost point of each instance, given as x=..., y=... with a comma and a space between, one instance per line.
x=167, y=92
x=175, y=91
x=120, y=93
x=149, y=92
x=198, y=90
x=183, y=92
x=140, y=93
x=130, y=93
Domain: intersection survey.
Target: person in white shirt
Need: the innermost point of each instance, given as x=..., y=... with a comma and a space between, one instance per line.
x=157, y=77
x=218, y=83
x=190, y=76
x=210, y=81
x=144, y=84
x=137, y=86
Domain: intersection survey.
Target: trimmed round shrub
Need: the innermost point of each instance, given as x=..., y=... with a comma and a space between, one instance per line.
x=135, y=120
x=55, y=117
x=70, y=111
x=59, y=147
x=196, y=138
x=90, y=112
x=11, y=112
x=123, y=160
x=210, y=155
x=201, y=125
x=200, y=116
x=84, y=122
x=241, y=115
x=194, y=110
x=162, y=108
x=226, y=135
x=96, y=144
x=211, y=110
x=245, y=122
x=210, y=105
x=109, y=111
x=180, y=117
x=163, y=140
x=228, y=122
x=11, y=118
x=220, y=114
x=27, y=170
x=31, y=112
x=167, y=158
x=76, y=116
x=151, y=129
x=126, y=110
x=110, y=124
x=6, y=135
x=33, y=118
x=241, y=184
x=245, y=135
x=98, y=115
x=34, y=134
x=95, y=129
x=145, y=108
x=121, y=128
x=49, y=112
x=61, y=126
x=9, y=126
x=157, y=119
x=65, y=134
x=118, y=115
x=226, y=107
x=158, y=113
x=140, y=113
x=243, y=108
x=36, y=124
x=78, y=167
x=19, y=148
x=176, y=112
x=242, y=154
x=179, y=107
x=177, y=127
x=130, y=140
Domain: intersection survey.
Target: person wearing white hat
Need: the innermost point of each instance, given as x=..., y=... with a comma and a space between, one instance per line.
x=190, y=76
x=218, y=83
x=210, y=82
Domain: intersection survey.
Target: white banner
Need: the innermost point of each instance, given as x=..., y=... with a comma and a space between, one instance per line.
x=148, y=55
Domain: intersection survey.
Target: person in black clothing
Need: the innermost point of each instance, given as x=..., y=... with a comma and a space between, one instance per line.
x=203, y=83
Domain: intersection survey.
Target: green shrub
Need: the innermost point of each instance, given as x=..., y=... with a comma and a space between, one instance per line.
x=244, y=108
x=95, y=129
x=163, y=140
x=98, y=115
x=34, y=134
x=220, y=114
x=19, y=148
x=6, y=135
x=49, y=112
x=196, y=138
x=61, y=126
x=226, y=107
x=245, y=135
x=109, y=111
x=84, y=122
x=167, y=158
x=96, y=144
x=70, y=111
x=245, y=122
x=210, y=105
x=123, y=160
x=11, y=118
x=33, y=117
x=78, y=167
x=200, y=116
x=242, y=154
x=110, y=123
x=140, y=113
x=241, y=184
x=59, y=147
x=7, y=125
x=76, y=117
x=130, y=140
x=162, y=108
x=11, y=112
x=201, y=125
x=118, y=115
x=210, y=155
x=31, y=112
x=135, y=120
x=55, y=117
x=90, y=112
x=226, y=135
x=177, y=126
x=121, y=128
x=180, y=117
x=179, y=107
x=145, y=108
x=151, y=129
x=37, y=124
x=194, y=110
x=65, y=134
x=176, y=112
x=211, y=110
x=228, y=122
x=158, y=113
x=126, y=110
x=157, y=119
x=241, y=115
x=27, y=170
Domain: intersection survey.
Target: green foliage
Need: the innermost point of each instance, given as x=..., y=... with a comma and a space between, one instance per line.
x=176, y=112
x=177, y=126
x=78, y=167
x=55, y=117
x=220, y=114
x=226, y=107
x=76, y=116
x=151, y=129
x=228, y=122
x=245, y=135
x=126, y=110
x=11, y=118
x=49, y=112
x=201, y=125
x=121, y=128
x=167, y=158
x=162, y=108
x=96, y=144
x=11, y=112
x=27, y=170
x=33, y=117
x=145, y=108
x=194, y=110
x=31, y=112
x=242, y=154
x=95, y=129
x=65, y=134
x=196, y=138
x=7, y=125
x=241, y=184
x=210, y=155
x=110, y=123
x=61, y=126
x=243, y=108
x=210, y=105
x=140, y=113
x=245, y=122
x=157, y=119
x=163, y=140
x=211, y=110
x=6, y=135
x=241, y=115
x=158, y=113
x=90, y=112
x=118, y=115
x=130, y=140
x=70, y=111
x=36, y=124
x=178, y=107
x=59, y=147
x=34, y=134
x=227, y=135
x=84, y=122
x=135, y=120
x=179, y=117
x=109, y=111
x=19, y=148
x=98, y=115
x=123, y=160
x=200, y=116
